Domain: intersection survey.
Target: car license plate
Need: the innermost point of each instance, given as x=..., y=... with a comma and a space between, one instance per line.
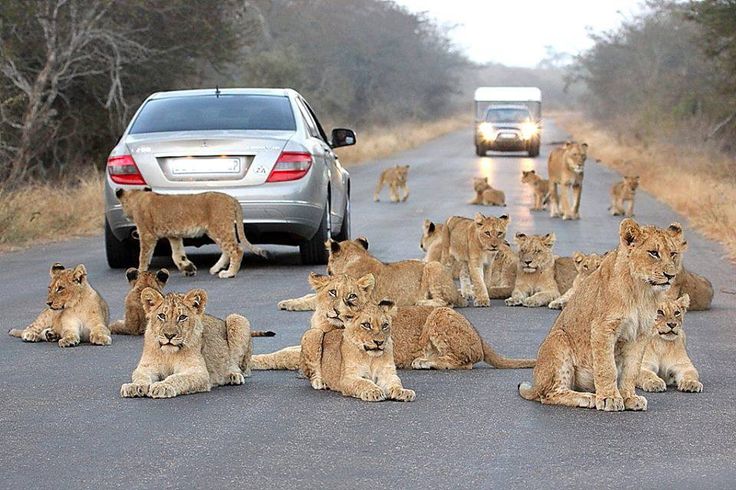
x=204, y=165
x=507, y=136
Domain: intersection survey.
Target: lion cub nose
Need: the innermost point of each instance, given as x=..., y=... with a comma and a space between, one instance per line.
x=668, y=276
x=378, y=343
x=527, y=262
x=672, y=325
x=48, y=303
x=169, y=335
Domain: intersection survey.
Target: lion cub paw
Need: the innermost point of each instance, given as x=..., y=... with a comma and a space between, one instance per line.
x=532, y=302
x=609, y=403
x=69, y=341
x=99, y=338
x=690, y=385
x=29, y=336
x=189, y=269
x=161, y=389
x=513, y=301
x=373, y=395
x=225, y=275
x=635, y=402
x=401, y=394
x=653, y=385
x=420, y=363
x=555, y=305
x=133, y=390
x=235, y=379
x=318, y=384
x=481, y=303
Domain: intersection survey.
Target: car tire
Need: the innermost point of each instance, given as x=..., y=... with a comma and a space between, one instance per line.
x=480, y=150
x=345, y=229
x=534, y=148
x=313, y=251
x=120, y=254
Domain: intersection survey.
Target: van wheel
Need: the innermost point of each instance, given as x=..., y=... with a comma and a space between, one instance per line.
x=313, y=251
x=480, y=150
x=120, y=254
x=534, y=148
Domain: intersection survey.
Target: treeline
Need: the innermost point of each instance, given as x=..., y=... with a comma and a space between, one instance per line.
x=668, y=73
x=73, y=71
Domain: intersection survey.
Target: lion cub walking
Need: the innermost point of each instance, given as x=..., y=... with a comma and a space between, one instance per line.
x=565, y=169
x=176, y=217
x=76, y=312
x=623, y=193
x=487, y=195
x=186, y=351
x=540, y=186
x=665, y=360
x=395, y=178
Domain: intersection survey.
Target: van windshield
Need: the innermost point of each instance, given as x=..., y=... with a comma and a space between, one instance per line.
x=508, y=115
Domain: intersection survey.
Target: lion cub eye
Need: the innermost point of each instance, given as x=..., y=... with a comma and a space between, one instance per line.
x=333, y=293
x=59, y=289
x=499, y=234
x=384, y=327
x=352, y=297
x=677, y=313
x=161, y=317
x=488, y=233
x=182, y=318
x=660, y=313
x=366, y=325
x=673, y=254
x=654, y=254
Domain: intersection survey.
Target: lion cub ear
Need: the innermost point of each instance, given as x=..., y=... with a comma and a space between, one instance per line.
x=332, y=246
x=479, y=219
x=629, y=232
x=131, y=274
x=549, y=239
x=431, y=227
x=55, y=269
x=362, y=241
x=80, y=273
x=196, y=299
x=318, y=281
x=684, y=301
x=675, y=231
x=367, y=283
x=505, y=217
x=519, y=237
x=151, y=299
x=388, y=306
x=578, y=257
x=584, y=146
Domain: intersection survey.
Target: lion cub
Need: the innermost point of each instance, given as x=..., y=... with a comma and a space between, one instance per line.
x=487, y=195
x=176, y=217
x=565, y=168
x=395, y=178
x=623, y=193
x=76, y=312
x=665, y=360
x=585, y=266
x=535, y=274
x=540, y=186
x=186, y=351
x=134, y=320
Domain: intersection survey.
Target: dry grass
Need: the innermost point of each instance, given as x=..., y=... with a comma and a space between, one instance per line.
x=380, y=142
x=49, y=212
x=695, y=180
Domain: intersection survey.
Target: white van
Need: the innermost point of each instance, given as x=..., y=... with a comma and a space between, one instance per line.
x=508, y=119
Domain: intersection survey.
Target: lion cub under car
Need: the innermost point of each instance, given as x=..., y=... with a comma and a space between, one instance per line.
x=395, y=178
x=76, y=312
x=487, y=195
x=186, y=351
x=176, y=217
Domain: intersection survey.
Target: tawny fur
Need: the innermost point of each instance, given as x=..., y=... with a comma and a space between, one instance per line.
x=565, y=170
x=431, y=244
x=396, y=180
x=665, y=359
x=540, y=187
x=134, y=320
x=622, y=194
x=597, y=342
x=75, y=313
x=535, y=273
x=186, y=351
x=176, y=217
x=486, y=195
x=697, y=287
x=585, y=266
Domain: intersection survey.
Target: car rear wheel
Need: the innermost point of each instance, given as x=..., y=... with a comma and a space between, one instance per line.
x=313, y=251
x=120, y=254
x=345, y=229
x=534, y=148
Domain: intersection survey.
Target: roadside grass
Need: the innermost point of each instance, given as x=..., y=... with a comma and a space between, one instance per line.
x=41, y=213
x=696, y=180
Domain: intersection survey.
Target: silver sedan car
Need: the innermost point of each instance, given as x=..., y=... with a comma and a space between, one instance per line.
x=265, y=147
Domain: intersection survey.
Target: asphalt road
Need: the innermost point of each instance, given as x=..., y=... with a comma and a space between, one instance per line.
x=63, y=424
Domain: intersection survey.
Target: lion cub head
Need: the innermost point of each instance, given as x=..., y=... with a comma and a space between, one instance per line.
x=654, y=255
x=586, y=264
x=575, y=155
x=401, y=173
x=480, y=184
x=491, y=231
x=670, y=316
x=174, y=320
x=631, y=182
x=431, y=232
x=529, y=176
x=535, y=251
x=139, y=281
x=340, y=295
x=341, y=253
x=66, y=286
x=369, y=329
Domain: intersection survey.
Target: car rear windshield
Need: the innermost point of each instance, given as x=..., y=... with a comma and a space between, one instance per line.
x=508, y=115
x=209, y=112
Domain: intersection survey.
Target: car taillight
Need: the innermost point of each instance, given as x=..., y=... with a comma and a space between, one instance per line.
x=291, y=165
x=124, y=171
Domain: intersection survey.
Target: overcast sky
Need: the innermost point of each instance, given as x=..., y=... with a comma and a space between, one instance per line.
x=515, y=32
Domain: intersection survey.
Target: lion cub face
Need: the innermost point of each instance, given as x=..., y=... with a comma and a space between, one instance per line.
x=401, y=174
x=369, y=329
x=430, y=233
x=631, y=182
x=535, y=251
x=670, y=316
x=174, y=320
x=654, y=254
x=575, y=156
x=340, y=295
x=586, y=264
x=528, y=176
x=480, y=184
x=491, y=231
x=66, y=286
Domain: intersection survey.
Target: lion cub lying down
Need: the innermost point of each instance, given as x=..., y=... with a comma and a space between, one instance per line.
x=395, y=178
x=535, y=275
x=134, y=321
x=592, y=355
x=76, y=312
x=665, y=359
x=487, y=195
x=176, y=217
x=186, y=351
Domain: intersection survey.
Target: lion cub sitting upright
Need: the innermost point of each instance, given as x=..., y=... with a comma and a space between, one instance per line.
x=665, y=360
x=487, y=195
x=395, y=178
x=592, y=355
x=176, y=217
x=76, y=312
x=623, y=193
x=540, y=186
x=186, y=351
x=134, y=320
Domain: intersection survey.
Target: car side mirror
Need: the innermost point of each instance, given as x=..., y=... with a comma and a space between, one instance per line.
x=342, y=137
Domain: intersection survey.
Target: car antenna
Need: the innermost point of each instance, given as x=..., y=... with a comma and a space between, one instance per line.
x=217, y=91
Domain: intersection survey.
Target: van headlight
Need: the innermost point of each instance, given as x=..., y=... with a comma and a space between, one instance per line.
x=487, y=131
x=528, y=130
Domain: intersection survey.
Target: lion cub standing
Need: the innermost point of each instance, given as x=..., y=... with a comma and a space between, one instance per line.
x=487, y=195
x=565, y=170
x=623, y=193
x=665, y=360
x=395, y=178
x=176, y=217
x=186, y=351
x=540, y=186
x=76, y=312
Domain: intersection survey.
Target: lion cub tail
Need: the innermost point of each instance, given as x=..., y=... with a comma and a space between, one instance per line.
x=262, y=333
x=15, y=332
x=496, y=360
x=528, y=392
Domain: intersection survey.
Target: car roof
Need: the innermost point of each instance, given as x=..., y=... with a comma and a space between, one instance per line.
x=224, y=91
